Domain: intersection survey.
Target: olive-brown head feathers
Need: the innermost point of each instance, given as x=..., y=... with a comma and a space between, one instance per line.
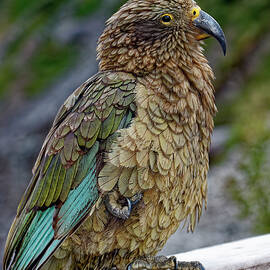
x=144, y=34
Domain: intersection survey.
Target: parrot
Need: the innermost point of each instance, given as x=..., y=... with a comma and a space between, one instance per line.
x=126, y=159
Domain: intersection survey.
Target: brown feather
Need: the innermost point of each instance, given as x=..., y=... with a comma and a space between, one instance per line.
x=163, y=154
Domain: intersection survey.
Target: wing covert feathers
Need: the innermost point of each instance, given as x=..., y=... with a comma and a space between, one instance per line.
x=93, y=112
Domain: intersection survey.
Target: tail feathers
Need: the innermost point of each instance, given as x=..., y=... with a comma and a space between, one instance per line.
x=18, y=228
x=39, y=236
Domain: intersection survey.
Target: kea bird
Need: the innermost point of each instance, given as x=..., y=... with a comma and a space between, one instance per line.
x=126, y=159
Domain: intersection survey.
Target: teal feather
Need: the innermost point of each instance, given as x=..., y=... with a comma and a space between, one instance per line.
x=35, y=236
x=41, y=233
x=77, y=204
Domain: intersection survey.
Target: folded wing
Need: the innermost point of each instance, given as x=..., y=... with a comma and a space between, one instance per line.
x=64, y=187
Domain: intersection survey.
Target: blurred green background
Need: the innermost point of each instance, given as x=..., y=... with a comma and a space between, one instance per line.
x=47, y=49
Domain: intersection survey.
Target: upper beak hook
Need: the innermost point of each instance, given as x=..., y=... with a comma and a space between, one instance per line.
x=210, y=26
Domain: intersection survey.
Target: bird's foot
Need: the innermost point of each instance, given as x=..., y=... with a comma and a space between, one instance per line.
x=120, y=206
x=162, y=262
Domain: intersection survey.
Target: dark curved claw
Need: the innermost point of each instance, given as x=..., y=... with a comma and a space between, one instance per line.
x=135, y=199
x=129, y=205
x=119, y=210
x=129, y=266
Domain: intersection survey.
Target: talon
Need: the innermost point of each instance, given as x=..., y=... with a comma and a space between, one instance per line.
x=117, y=208
x=114, y=207
x=175, y=262
x=136, y=198
x=129, y=266
x=129, y=204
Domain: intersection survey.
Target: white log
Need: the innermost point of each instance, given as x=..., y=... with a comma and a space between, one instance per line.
x=248, y=254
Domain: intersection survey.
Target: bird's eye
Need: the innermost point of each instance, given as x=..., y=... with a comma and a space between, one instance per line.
x=166, y=19
x=195, y=12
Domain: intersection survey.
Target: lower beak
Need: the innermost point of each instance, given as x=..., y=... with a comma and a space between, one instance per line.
x=210, y=27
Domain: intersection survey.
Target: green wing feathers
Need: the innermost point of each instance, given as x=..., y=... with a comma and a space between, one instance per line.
x=64, y=185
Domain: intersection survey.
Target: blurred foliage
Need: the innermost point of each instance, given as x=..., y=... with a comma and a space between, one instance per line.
x=252, y=194
x=249, y=112
x=48, y=61
x=32, y=58
x=86, y=7
x=29, y=54
x=249, y=117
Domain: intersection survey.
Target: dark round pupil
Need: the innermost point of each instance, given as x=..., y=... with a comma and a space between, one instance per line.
x=194, y=12
x=166, y=18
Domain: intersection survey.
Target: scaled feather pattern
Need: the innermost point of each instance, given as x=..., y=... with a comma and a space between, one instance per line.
x=141, y=125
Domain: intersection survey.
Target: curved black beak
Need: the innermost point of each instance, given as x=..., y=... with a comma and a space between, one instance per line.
x=210, y=26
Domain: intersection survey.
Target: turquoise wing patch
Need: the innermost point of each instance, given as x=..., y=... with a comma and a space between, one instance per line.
x=41, y=236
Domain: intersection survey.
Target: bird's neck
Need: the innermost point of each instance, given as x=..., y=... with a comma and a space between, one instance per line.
x=183, y=85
